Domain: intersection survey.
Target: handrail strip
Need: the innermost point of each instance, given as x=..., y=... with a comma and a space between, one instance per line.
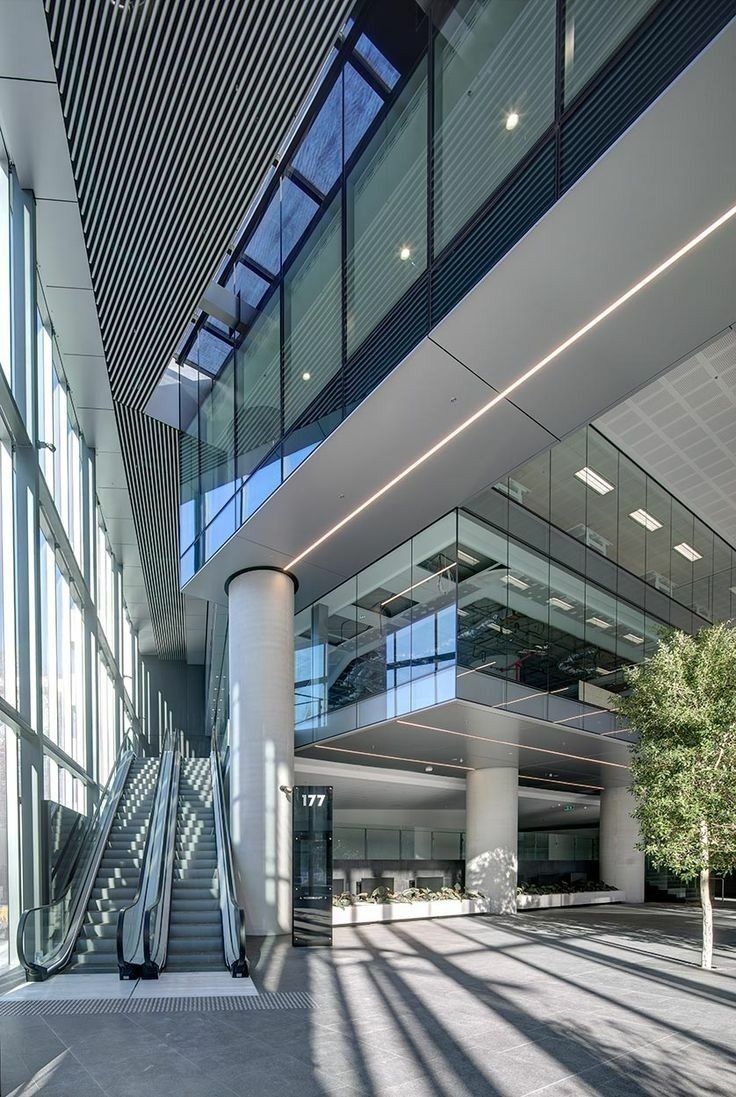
x=156, y=914
x=233, y=917
x=129, y=935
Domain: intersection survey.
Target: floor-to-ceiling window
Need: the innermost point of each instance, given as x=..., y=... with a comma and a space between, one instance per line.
x=68, y=649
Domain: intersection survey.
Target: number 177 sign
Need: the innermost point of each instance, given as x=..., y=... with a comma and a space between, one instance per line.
x=313, y=799
x=312, y=865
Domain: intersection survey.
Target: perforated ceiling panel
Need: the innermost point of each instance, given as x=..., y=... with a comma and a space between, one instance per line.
x=173, y=114
x=682, y=430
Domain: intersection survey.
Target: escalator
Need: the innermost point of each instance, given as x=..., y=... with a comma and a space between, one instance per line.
x=47, y=935
x=152, y=889
x=119, y=872
x=206, y=927
x=195, y=923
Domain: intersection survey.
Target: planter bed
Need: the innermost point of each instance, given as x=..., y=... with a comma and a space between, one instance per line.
x=568, y=899
x=362, y=913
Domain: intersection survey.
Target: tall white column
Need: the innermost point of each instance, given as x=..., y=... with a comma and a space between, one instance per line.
x=261, y=662
x=621, y=863
x=491, y=835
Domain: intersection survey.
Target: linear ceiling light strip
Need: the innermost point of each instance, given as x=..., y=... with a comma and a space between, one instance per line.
x=507, y=743
x=520, y=381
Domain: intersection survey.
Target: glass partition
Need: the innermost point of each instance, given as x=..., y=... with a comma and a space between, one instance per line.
x=494, y=96
x=593, y=31
x=387, y=211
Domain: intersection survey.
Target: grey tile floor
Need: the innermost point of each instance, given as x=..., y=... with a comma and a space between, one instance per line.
x=589, y=1001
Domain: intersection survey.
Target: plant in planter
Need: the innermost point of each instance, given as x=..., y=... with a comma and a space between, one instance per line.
x=564, y=888
x=409, y=895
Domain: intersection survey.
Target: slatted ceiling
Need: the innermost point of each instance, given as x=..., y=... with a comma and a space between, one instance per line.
x=173, y=112
x=149, y=479
x=169, y=142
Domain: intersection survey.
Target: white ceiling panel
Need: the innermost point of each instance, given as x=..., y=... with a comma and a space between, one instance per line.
x=62, y=258
x=39, y=149
x=682, y=430
x=75, y=320
x=87, y=377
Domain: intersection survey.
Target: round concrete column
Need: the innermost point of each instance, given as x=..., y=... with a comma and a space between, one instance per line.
x=621, y=863
x=491, y=835
x=261, y=673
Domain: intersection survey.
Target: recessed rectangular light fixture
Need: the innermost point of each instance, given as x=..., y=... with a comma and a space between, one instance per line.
x=732, y=589
x=688, y=552
x=645, y=519
x=559, y=603
x=514, y=582
x=633, y=638
x=594, y=480
x=467, y=558
x=598, y=622
x=462, y=613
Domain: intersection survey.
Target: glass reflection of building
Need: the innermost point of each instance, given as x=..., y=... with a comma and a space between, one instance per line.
x=533, y=599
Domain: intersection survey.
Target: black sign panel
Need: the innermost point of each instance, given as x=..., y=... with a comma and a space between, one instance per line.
x=312, y=865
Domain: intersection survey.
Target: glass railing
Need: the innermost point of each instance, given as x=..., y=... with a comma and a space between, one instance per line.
x=67, y=830
x=47, y=934
x=422, y=125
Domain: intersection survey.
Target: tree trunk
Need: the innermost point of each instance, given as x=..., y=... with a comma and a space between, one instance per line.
x=705, y=902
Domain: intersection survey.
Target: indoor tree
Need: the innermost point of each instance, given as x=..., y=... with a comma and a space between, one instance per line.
x=682, y=704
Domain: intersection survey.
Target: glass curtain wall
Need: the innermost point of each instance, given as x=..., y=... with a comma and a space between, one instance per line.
x=383, y=643
x=68, y=652
x=533, y=600
x=423, y=116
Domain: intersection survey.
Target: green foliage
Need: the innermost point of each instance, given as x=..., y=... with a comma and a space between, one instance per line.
x=383, y=894
x=564, y=888
x=682, y=704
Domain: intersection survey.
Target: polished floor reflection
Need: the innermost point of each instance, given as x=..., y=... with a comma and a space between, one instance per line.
x=565, y=1003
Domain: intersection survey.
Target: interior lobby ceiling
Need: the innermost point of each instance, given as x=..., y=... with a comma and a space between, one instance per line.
x=173, y=113
x=363, y=788
x=453, y=738
x=681, y=429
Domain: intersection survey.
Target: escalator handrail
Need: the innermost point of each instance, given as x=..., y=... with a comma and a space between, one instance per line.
x=130, y=957
x=233, y=916
x=111, y=793
x=154, y=957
